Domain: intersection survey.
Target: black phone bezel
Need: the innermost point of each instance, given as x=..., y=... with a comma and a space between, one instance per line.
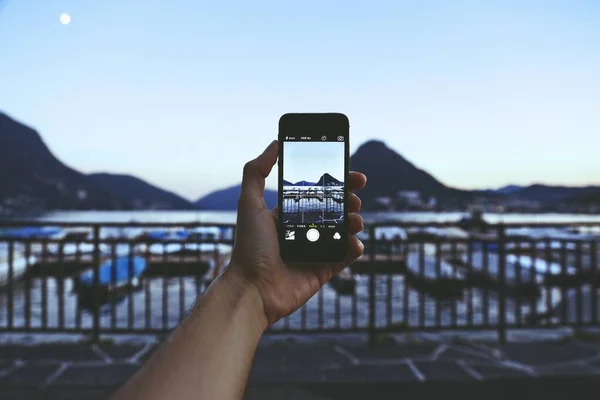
x=302, y=123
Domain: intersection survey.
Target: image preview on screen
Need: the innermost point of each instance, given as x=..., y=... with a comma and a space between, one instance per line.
x=313, y=182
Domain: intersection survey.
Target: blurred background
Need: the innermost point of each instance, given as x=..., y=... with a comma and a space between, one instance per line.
x=124, y=127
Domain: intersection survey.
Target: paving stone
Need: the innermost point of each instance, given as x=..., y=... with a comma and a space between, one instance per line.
x=570, y=370
x=49, y=394
x=121, y=351
x=534, y=388
x=437, y=371
x=546, y=353
x=30, y=375
x=368, y=373
x=59, y=352
x=595, y=363
x=110, y=375
x=345, y=374
x=302, y=363
x=146, y=356
x=274, y=375
x=498, y=372
x=416, y=350
x=281, y=393
x=470, y=354
x=4, y=364
x=293, y=358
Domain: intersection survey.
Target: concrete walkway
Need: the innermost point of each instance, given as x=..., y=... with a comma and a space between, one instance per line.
x=292, y=370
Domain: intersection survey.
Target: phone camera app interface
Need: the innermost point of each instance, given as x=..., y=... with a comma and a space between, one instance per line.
x=313, y=184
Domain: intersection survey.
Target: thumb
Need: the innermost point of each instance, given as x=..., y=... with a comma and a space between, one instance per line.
x=255, y=172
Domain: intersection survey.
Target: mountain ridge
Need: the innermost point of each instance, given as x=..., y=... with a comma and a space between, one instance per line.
x=328, y=180
x=33, y=179
x=135, y=193
x=226, y=199
x=406, y=177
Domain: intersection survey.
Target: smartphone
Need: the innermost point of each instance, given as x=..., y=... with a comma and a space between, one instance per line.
x=313, y=192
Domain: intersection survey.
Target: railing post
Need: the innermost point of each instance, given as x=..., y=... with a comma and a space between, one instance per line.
x=10, y=281
x=502, y=288
x=96, y=289
x=372, y=319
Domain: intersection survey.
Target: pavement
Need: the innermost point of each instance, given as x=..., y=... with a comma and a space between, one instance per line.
x=335, y=368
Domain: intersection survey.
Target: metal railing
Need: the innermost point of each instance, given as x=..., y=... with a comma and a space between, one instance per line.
x=131, y=278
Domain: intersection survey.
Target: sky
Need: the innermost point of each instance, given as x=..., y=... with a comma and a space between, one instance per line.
x=183, y=93
x=308, y=161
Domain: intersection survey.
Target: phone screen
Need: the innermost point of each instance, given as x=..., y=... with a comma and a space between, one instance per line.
x=313, y=194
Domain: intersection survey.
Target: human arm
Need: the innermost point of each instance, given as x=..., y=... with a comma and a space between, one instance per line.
x=209, y=355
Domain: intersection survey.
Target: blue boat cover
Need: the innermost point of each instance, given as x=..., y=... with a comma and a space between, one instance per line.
x=105, y=274
x=28, y=232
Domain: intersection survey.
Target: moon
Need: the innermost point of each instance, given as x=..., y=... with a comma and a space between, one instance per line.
x=65, y=18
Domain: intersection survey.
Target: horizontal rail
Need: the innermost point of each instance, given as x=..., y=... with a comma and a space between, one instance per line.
x=145, y=285
x=14, y=223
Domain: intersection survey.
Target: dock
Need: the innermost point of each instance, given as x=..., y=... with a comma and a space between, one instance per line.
x=344, y=283
x=475, y=278
x=380, y=264
x=158, y=265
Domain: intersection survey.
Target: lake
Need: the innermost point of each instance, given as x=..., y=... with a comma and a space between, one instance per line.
x=229, y=217
x=162, y=302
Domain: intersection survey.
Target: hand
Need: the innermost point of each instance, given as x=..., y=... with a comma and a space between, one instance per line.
x=256, y=262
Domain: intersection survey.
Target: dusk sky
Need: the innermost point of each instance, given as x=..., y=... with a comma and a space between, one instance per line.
x=183, y=93
x=308, y=161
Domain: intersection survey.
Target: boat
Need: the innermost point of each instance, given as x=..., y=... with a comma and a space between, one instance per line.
x=20, y=264
x=437, y=278
x=165, y=235
x=474, y=222
x=343, y=283
x=390, y=233
x=77, y=234
x=388, y=240
x=523, y=274
x=577, y=308
x=205, y=233
x=553, y=238
x=120, y=268
x=483, y=245
x=33, y=232
x=185, y=249
x=122, y=232
x=114, y=276
x=433, y=234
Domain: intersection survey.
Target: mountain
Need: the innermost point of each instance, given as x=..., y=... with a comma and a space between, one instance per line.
x=227, y=199
x=585, y=201
x=388, y=173
x=131, y=193
x=33, y=179
x=552, y=194
x=508, y=189
x=304, y=183
x=328, y=180
x=287, y=183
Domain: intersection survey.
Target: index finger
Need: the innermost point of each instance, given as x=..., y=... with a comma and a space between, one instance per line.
x=356, y=181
